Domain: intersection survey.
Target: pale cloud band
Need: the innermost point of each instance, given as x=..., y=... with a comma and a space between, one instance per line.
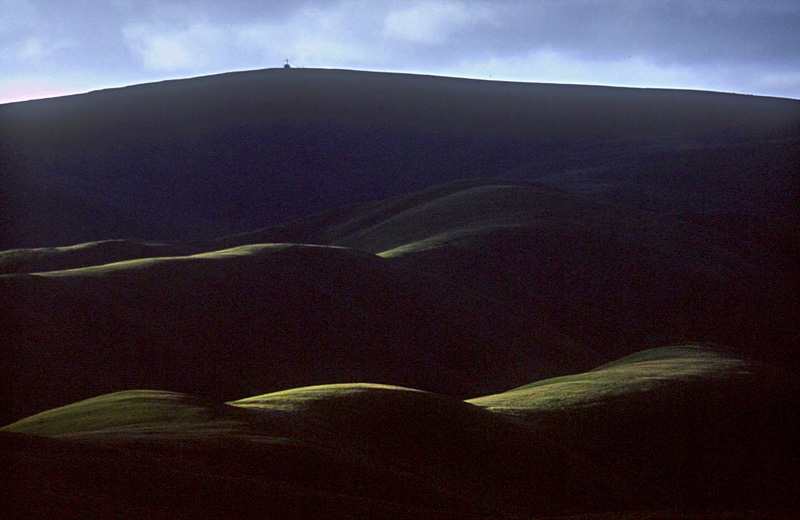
x=734, y=45
x=166, y=49
x=432, y=22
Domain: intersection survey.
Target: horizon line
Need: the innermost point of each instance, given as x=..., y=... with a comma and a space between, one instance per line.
x=395, y=72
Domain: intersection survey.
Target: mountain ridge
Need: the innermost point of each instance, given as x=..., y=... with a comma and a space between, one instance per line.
x=209, y=157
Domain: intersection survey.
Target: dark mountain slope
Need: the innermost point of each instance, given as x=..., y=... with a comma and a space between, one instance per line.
x=755, y=178
x=259, y=318
x=210, y=156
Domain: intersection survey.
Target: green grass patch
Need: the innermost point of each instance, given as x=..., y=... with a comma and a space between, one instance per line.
x=133, y=411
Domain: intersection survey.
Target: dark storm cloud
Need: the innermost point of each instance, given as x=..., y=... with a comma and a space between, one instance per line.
x=735, y=45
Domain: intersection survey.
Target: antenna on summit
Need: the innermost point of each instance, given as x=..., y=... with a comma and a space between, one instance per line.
x=286, y=64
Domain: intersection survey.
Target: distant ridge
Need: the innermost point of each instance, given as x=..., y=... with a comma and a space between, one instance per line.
x=210, y=156
x=168, y=81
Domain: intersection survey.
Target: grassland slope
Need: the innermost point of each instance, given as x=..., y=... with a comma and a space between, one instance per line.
x=37, y=260
x=257, y=318
x=571, y=273
x=348, y=448
x=688, y=429
x=688, y=422
x=608, y=275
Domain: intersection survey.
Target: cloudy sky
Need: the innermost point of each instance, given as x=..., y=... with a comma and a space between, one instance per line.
x=56, y=47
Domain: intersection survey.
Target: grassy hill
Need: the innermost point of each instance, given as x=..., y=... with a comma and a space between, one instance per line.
x=608, y=275
x=283, y=234
x=349, y=448
x=685, y=428
x=464, y=289
x=258, y=318
x=690, y=423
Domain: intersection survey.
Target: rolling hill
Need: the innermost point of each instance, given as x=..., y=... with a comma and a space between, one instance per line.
x=605, y=273
x=377, y=259
x=568, y=445
x=680, y=421
x=463, y=289
x=258, y=318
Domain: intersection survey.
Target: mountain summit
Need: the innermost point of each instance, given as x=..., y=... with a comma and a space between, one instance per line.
x=205, y=157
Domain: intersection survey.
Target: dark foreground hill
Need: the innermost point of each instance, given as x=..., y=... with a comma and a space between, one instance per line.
x=684, y=429
x=206, y=157
x=692, y=424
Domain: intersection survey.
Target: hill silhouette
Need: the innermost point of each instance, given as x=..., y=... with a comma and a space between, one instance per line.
x=205, y=157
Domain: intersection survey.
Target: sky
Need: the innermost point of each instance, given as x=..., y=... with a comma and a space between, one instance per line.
x=58, y=47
